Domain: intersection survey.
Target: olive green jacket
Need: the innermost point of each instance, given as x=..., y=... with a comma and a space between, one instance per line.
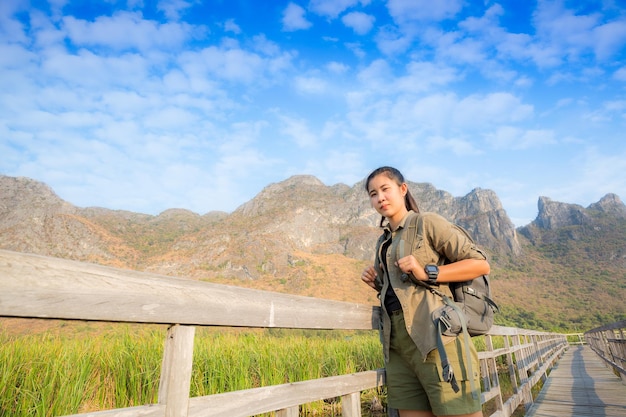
x=435, y=242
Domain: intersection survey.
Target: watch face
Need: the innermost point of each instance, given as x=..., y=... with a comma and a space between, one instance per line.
x=431, y=268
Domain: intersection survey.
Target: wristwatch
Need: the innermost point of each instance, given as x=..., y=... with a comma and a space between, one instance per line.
x=432, y=272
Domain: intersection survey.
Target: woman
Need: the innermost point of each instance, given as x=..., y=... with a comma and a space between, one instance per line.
x=412, y=362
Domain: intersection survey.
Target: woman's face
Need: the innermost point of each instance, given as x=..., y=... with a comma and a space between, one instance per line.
x=387, y=197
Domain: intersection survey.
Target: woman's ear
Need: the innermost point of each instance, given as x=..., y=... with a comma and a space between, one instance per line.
x=404, y=188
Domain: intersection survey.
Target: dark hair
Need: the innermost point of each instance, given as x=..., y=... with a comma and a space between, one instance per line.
x=396, y=176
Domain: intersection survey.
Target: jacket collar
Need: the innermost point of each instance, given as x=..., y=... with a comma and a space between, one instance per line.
x=387, y=228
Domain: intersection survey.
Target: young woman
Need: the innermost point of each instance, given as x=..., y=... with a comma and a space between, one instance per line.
x=413, y=367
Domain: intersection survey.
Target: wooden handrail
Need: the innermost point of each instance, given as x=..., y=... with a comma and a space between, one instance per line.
x=43, y=287
x=609, y=342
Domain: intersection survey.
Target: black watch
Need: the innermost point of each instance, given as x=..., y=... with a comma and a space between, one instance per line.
x=432, y=272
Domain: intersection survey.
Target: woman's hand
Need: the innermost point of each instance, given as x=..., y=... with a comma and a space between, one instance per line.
x=368, y=276
x=409, y=265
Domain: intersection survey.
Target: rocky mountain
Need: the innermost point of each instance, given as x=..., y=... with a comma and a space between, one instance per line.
x=301, y=236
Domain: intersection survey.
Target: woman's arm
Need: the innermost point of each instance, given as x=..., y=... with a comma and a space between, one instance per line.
x=462, y=270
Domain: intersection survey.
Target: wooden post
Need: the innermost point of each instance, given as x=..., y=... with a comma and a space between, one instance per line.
x=351, y=405
x=289, y=412
x=176, y=370
x=523, y=359
x=490, y=373
x=511, y=364
x=538, y=346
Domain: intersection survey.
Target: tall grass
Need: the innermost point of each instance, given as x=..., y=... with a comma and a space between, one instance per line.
x=57, y=374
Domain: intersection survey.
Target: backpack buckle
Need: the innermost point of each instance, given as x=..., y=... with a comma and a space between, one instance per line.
x=448, y=376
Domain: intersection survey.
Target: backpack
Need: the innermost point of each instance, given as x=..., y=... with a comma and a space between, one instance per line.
x=470, y=312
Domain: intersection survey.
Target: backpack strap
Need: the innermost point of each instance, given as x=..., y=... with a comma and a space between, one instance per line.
x=447, y=372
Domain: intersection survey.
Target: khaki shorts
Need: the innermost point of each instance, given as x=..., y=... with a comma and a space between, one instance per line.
x=415, y=384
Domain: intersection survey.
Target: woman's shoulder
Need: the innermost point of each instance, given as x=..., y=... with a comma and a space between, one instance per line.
x=434, y=224
x=432, y=217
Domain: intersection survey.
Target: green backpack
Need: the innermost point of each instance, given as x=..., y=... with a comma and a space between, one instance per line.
x=470, y=312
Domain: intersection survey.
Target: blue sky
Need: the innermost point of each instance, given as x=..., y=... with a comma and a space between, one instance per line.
x=149, y=105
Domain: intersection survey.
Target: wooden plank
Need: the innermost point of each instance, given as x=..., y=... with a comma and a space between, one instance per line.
x=263, y=400
x=44, y=287
x=580, y=385
x=153, y=410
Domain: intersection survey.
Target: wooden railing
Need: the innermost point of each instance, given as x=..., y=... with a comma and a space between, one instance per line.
x=609, y=342
x=42, y=287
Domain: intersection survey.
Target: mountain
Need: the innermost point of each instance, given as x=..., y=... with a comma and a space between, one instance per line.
x=564, y=270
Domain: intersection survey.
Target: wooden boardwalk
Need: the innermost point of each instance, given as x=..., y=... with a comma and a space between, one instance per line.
x=581, y=386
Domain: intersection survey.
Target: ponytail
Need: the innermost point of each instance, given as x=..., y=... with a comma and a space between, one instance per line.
x=410, y=202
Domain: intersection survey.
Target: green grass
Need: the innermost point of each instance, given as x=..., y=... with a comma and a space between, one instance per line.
x=58, y=374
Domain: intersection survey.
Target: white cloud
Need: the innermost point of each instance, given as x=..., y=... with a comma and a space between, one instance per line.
x=128, y=30
x=444, y=120
x=14, y=56
x=294, y=19
x=486, y=23
x=173, y=8
x=311, y=85
x=419, y=76
x=490, y=109
x=523, y=81
x=230, y=64
x=231, y=26
x=391, y=41
x=170, y=118
x=510, y=137
x=356, y=48
x=423, y=10
x=453, y=49
x=612, y=111
x=615, y=105
x=330, y=8
x=337, y=67
x=297, y=129
x=609, y=39
x=86, y=69
x=376, y=75
x=570, y=36
x=593, y=177
x=359, y=22
x=424, y=76
x=455, y=145
x=337, y=166
x=265, y=46
x=12, y=30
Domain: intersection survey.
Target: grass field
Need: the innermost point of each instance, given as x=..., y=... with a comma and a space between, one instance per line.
x=58, y=373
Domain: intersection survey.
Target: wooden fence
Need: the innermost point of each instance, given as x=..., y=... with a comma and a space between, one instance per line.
x=42, y=287
x=609, y=343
